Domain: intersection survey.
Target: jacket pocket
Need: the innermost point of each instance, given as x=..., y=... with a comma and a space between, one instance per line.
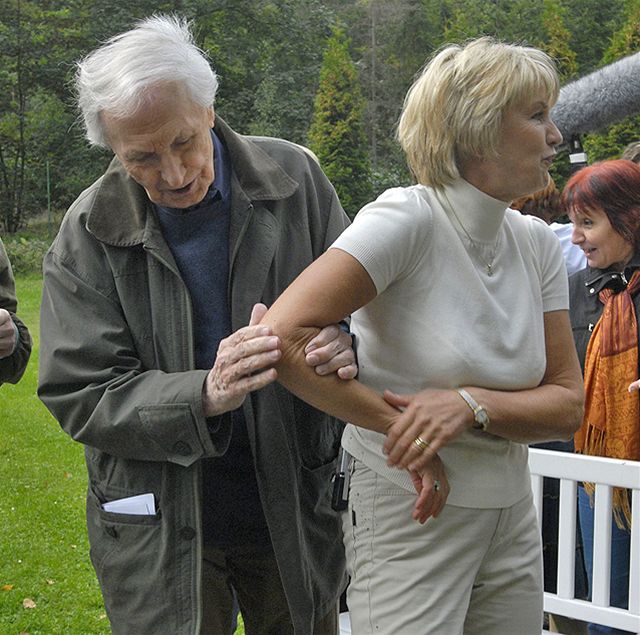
x=317, y=485
x=129, y=555
x=317, y=435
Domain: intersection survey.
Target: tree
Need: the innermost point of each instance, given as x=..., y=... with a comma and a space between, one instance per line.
x=610, y=143
x=591, y=23
x=627, y=39
x=558, y=38
x=290, y=59
x=37, y=42
x=337, y=134
x=401, y=36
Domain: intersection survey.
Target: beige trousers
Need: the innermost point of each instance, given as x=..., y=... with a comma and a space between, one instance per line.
x=469, y=571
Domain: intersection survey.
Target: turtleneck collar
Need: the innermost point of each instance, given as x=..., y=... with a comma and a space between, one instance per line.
x=481, y=214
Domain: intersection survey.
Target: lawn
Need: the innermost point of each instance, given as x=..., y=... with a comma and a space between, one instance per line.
x=47, y=584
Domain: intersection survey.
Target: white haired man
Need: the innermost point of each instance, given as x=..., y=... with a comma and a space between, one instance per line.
x=207, y=480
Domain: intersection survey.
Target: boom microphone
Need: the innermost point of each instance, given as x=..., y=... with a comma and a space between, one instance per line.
x=599, y=99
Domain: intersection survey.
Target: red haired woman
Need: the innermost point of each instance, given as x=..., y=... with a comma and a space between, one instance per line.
x=603, y=202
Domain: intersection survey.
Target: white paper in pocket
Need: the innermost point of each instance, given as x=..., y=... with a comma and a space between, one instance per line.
x=141, y=505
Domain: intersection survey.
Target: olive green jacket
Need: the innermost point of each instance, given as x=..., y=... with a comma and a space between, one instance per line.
x=13, y=366
x=117, y=371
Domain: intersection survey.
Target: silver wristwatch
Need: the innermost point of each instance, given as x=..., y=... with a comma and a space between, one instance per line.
x=480, y=415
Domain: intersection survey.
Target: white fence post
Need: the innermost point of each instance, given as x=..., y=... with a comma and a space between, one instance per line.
x=572, y=469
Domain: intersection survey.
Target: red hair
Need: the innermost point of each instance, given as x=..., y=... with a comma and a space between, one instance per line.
x=544, y=204
x=610, y=186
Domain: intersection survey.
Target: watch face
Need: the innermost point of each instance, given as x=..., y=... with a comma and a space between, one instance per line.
x=482, y=419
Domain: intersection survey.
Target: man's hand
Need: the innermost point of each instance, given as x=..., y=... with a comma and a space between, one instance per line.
x=7, y=334
x=330, y=352
x=243, y=363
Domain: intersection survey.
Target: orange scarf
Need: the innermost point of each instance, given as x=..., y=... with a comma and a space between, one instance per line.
x=611, y=424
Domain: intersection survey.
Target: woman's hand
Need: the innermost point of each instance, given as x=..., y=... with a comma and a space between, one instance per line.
x=430, y=419
x=433, y=490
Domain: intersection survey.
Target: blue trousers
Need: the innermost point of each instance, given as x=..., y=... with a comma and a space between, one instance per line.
x=620, y=548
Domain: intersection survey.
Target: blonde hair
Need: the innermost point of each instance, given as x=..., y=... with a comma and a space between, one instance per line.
x=454, y=109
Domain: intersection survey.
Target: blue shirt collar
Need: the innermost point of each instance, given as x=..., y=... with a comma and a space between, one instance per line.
x=221, y=166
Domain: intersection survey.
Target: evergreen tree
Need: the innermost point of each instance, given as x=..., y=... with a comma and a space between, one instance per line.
x=557, y=41
x=337, y=133
x=37, y=42
x=626, y=41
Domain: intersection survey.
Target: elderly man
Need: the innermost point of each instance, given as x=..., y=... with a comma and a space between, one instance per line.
x=15, y=341
x=207, y=480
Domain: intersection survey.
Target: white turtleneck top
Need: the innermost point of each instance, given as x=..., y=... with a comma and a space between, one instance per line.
x=439, y=321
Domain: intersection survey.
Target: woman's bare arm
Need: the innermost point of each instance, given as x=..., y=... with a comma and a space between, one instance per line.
x=331, y=288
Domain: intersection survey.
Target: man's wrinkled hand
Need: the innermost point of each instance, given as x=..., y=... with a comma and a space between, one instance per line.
x=244, y=363
x=331, y=352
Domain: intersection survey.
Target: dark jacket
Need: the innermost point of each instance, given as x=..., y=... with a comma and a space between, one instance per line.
x=12, y=368
x=585, y=308
x=117, y=371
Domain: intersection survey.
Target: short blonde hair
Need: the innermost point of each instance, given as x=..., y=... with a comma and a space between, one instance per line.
x=454, y=109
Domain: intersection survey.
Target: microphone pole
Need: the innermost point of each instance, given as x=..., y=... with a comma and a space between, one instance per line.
x=577, y=155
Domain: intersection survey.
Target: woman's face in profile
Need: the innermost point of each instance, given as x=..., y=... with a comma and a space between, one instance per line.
x=525, y=150
x=603, y=246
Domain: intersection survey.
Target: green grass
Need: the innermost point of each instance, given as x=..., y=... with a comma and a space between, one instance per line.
x=44, y=553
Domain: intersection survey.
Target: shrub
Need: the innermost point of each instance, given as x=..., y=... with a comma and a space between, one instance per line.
x=25, y=254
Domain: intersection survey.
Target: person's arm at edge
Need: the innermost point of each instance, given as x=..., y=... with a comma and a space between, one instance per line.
x=12, y=366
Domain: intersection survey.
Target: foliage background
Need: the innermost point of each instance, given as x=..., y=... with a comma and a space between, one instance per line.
x=327, y=73
x=269, y=55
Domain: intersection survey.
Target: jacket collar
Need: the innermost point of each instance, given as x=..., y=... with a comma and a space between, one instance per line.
x=598, y=279
x=121, y=213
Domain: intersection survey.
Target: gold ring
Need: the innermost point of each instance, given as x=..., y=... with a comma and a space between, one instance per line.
x=420, y=443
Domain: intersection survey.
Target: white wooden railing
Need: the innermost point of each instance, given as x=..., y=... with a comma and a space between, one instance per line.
x=607, y=474
x=571, y=469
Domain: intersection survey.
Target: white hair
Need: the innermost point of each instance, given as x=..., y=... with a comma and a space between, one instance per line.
x=115, y=77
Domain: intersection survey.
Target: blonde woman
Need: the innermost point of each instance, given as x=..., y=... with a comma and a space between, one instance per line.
x=460, y=309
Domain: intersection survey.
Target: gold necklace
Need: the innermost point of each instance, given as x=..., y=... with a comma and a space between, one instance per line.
x=487, y=263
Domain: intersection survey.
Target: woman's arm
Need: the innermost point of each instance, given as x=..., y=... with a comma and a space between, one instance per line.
x=552, y=410
x=331, y=288
x=334, y=286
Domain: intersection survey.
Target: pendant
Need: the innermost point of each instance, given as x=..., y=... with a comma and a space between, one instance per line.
x=489, y=270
